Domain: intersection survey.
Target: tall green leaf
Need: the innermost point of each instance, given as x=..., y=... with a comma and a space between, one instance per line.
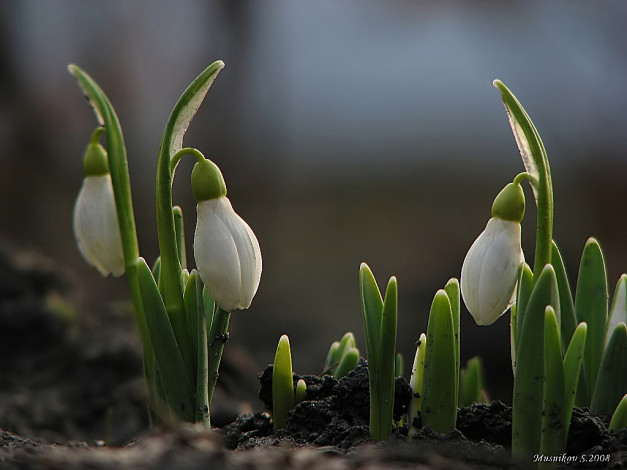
x=572, y=371
x=553, y=439
x=591, y=306
x=529, y=374
x=439, y=405
x=178, y=390
x=568, y=320
x=611, y=382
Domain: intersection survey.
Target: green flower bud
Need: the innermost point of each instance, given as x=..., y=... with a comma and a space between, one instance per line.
x=95, y=161
x=510, y=203
x=207, y=181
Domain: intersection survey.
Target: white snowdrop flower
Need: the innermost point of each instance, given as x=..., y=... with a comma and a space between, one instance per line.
x=491, y=267
x=96, y=226
x=226, y=250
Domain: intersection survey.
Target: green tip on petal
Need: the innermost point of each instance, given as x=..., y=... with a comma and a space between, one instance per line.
x=510, y=203
x=207, y=181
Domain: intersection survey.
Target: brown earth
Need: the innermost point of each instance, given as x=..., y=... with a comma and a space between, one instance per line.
x=72, y=397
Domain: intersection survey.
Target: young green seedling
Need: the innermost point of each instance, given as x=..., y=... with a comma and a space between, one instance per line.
x=552, y=435
x=591, y=306
x=619, y=417
x=300, y=394
x=415, y=383
x=439, y=392
x=342, y=357
x=283, y=398
x=471, y=383
x=380, y=318
x=611, y=380
x=602, y=389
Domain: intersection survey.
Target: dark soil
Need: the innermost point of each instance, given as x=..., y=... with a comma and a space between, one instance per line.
x=72, y=397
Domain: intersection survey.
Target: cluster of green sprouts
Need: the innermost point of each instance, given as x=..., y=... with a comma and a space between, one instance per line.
x=566, y=350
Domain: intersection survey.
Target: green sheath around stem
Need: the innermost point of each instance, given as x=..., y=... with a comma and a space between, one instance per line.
x=217, y=337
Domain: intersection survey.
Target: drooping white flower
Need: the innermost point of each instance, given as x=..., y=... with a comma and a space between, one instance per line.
x=227, y=254
x=96, y=226
x=490, y=270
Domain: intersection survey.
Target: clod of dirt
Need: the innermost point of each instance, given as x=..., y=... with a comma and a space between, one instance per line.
x=336, y=412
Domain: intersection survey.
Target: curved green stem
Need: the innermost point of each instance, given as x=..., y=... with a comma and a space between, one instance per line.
x=533, y=181
x=536, y=162
x=217, y=337
x=181, y=153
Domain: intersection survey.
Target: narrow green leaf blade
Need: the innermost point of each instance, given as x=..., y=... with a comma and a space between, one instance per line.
x=197, y=332
x=347, y=341
x=619, y=417
x=526, y=135
x=572, y=370
x=452, y=290
x=529, y=374
x=386, y=362
x=188, y=104
x=525, y=286
x=611, y=382
x=372, y=309
x=172, y=369
x=553, y=440
x=439, y=406
x=332, y=360
x=618, y=312
x=568, y=319
x=591, y=306
x=471, y=388
x=348, y=362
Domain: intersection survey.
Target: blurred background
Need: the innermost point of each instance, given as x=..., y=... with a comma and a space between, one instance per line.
x=346, y=131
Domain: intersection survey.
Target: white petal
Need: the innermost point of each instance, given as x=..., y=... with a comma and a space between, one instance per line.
x=96, y=226
x=490, y=271
x=216, y=256
x=248, y=251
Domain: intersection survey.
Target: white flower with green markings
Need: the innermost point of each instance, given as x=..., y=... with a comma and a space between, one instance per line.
x=226, y=249
x=96, y=226
x=490, y=269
